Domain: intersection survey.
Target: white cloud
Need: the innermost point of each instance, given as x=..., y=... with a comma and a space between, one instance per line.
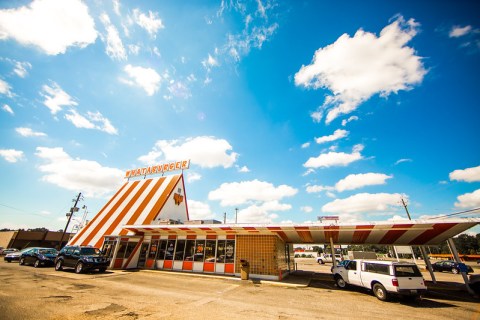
x=458, y=31
x=179, y=89
x=56, y=98
x=114, y=48
x=210, y=62
x=469, y=200
x=93, y=120
x=305, y=145
x=146, y=78
x=350, y=119
x=206, y=152
x=50, y=25
x=5, y=88
x=356, y=181
x=151, y=23
x=306, y=209
x=467, y=175
x=28, y=132
x=7, y=109
x=116, y=7
x=332, y=159
x=402, y=160
x=338, y=134
x=317, y=188
x=193, y=176
x=364, y=203
x=11, y=155
x=243, y=169
x=264, y=213
x=199, y=211
x=356, y=68
x=20, y=68
x=238, y=193
x=89, y=177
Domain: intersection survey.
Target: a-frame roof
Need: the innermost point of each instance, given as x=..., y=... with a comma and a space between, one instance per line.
x=136, y=202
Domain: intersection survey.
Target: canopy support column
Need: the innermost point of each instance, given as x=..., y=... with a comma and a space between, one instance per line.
x=456, y=257
x=428, y=264
x=334, y=260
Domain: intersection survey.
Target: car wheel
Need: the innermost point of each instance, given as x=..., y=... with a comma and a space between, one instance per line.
x=79, y=268
x=455, y=271
x=380, y=292
x=102, y=270
x=22, y=261
x=340, y=282
x=9, y=261
x=37, y=263
x=58, y=265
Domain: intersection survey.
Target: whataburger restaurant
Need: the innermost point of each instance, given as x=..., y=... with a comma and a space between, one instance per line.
x=132, y=230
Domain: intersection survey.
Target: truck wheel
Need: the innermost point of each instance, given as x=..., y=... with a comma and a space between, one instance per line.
x=37, y=263
x=454, y=270
x=22, y=261
x=380, y=292
x=340, y=282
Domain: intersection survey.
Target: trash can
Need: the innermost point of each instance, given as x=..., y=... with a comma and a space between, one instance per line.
x=244, y=269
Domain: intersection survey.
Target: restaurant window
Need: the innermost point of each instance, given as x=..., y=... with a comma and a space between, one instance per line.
x=210, y=250
x=170, y=249
x=162, y=245
x=108, y=247
x=221, y=251
x=180, y=250
x=122, y=247
x=153, y=249
x=189, y=250
x=230, y=251
x=129, y=249
x=199, y=250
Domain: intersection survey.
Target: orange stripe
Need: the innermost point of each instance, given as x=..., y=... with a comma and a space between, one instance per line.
x=331, y=232
x=144, y=204
x=107, y=216
x=79, y=235
x=139, y=244
x=361, y=234
x=161, y=202
x=125, y=210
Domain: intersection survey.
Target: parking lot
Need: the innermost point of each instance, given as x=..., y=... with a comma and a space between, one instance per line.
x=32, y=293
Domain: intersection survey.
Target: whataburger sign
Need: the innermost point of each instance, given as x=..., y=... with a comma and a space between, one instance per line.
x=161, y=168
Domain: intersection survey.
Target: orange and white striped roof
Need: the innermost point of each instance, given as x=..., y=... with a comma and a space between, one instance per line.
x=414, y=232
x=136, y=202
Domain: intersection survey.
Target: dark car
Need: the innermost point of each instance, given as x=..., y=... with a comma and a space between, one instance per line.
x=82, y=258
x=451, y=266
x=39, y=257
x=474, y=283
x=15, y=256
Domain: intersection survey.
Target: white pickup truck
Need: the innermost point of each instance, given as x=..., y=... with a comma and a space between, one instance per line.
x=327, y=257
x=382, y=277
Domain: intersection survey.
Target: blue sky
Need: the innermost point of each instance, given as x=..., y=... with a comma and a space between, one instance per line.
x=287, y=110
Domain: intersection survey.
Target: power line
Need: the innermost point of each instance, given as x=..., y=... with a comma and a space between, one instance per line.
x=456, y=213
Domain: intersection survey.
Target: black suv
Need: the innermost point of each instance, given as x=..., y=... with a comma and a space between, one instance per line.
x=82, y=258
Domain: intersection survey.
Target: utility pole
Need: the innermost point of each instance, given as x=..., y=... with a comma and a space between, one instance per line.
x=224, y=218
x=236, y=214
x=406, y=209
x=72, y=210
x=422, y=249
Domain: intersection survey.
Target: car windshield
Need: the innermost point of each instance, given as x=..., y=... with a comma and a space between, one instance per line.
x=407, y=271
x=89, y=251
x=47, y=251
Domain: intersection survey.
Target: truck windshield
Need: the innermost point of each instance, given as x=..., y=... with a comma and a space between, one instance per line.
x=407, y=271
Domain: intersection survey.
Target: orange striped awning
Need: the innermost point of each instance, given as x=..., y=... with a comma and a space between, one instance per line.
x=414, y=232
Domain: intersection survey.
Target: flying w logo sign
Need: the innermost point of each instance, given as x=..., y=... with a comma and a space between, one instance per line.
x=178, y=198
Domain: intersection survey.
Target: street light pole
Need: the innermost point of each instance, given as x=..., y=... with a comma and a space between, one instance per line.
x=72, y=209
